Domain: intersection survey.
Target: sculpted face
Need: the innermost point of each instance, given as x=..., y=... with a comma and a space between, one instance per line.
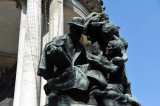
x=75, y=32
x=114, y=47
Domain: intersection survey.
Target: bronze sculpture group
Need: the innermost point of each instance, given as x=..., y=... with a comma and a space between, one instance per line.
x=71, y=70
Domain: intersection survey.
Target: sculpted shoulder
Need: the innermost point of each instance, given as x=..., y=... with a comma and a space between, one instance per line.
x=56, y=41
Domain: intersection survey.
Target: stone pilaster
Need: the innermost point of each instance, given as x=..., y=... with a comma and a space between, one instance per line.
x=22, y=34
x=32, y=47
x=56, y=28
x=56, y=18
x=43, y=97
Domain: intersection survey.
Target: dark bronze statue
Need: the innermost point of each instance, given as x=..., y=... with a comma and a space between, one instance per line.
x=70, y=70
x=59, y=65
x=117, y=91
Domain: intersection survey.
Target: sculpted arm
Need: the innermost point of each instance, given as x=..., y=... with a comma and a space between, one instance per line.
x=101, y=63
x=119, y=60
x=45, y=67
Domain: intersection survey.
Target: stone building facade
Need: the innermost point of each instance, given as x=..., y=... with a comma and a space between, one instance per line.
x=25, y=29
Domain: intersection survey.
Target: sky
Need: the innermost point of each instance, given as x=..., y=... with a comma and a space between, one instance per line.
x=140, y=26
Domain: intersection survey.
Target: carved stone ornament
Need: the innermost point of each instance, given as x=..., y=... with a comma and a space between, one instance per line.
x=93, y=5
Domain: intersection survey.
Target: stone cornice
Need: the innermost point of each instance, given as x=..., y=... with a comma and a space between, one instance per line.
x=77, y=7
x=92, y=5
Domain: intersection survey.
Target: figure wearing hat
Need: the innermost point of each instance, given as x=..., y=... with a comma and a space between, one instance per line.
x=59, y=65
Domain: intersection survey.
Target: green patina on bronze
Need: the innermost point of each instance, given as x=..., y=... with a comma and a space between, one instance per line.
x=70, y=70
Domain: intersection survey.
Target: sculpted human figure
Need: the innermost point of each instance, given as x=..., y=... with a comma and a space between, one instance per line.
x=104, y=78
x=98, y=27
x=113, y=47
x=59, y=65
x=117, y=88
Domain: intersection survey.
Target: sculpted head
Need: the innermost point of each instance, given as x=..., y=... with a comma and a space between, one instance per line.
x=109, y=29
x=76, y=28
x=114, y=47
x=97, y=17
x=94, y=24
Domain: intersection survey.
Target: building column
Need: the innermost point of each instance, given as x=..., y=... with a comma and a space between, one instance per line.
x=32, y=48
x=56, y=28
x=56, y=18
x=43, y=97
x=22, y=34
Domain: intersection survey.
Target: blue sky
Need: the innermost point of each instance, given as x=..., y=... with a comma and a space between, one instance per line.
x=140, y=26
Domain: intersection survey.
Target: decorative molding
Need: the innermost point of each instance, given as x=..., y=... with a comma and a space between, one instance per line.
x=7, y=59
x=77, y=7
x=93, y=5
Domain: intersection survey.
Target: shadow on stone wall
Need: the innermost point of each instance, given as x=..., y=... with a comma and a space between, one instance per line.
x=7, y=85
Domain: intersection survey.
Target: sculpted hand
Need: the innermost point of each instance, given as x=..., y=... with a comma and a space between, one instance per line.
x=117, y=61
x=97, y=24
